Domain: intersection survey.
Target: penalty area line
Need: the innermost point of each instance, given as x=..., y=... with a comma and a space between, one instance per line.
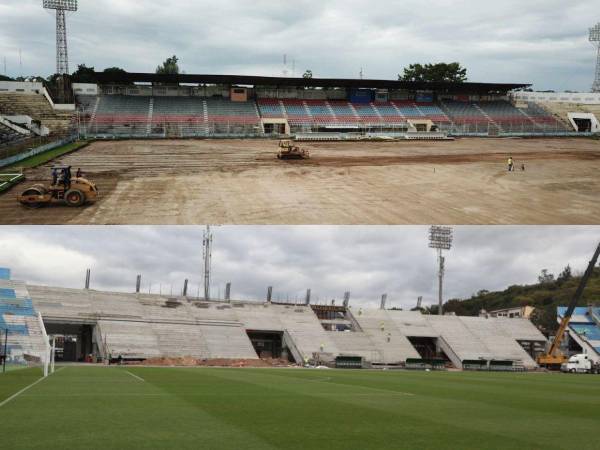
x=12, y=397
x=135, y=376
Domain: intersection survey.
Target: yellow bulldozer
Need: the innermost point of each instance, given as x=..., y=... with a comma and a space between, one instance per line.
x=287, y=150
x=66, y=190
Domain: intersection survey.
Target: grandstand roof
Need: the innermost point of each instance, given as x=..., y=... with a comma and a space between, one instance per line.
x=463, y=88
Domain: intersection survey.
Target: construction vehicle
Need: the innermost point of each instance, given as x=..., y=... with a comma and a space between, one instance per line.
x=554, y=358
x=64, y=190
x=287, y=150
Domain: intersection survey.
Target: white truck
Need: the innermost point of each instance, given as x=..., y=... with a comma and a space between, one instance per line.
x=580, y=364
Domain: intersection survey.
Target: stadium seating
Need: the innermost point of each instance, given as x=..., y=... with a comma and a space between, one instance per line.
x=196, y=116
x=388, y=338
x=585, y=326
x=10, y=137
x=36, y=106
x=168, y=116
x=144, y=326
x=226, y=117
x=408, y=109
x=543, y=120
x=270, y=108
x=20, y=319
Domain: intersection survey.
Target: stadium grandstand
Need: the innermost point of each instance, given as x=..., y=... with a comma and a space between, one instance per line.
x=583, y=332
x=151, y=105
x=30, y=118
x=22, y=331
x=137, y=326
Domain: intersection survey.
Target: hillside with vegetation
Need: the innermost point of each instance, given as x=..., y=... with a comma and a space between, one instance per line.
x=545, y=296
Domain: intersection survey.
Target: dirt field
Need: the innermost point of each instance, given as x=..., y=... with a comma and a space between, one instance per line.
x=241, y=182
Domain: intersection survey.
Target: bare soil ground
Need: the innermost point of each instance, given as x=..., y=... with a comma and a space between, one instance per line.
x=218, y=362
x=241, y=182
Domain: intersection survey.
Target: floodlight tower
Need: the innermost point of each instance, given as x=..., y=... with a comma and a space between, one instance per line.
x=207, y=253
x=62, y=55
x=595, y=40
x=440, y=238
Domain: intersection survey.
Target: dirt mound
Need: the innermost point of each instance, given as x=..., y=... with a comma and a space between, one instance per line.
x=217, y=362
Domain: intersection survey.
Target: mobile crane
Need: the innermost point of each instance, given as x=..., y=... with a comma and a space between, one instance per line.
x=554, y=358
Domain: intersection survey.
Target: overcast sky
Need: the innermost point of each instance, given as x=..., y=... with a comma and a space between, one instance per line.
x=368, y=261
x=539, y=41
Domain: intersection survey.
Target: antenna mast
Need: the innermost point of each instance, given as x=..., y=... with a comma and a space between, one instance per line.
x=207, y=253
x=595, y=40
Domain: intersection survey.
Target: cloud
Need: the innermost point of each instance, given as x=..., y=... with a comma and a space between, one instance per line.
x=543, y=42
x=367, y=261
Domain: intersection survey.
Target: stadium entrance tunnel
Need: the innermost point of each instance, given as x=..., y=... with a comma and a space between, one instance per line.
x=427, y=347
x=533, y=348
x=269, y=344
x=73, y=342
x=583, y=125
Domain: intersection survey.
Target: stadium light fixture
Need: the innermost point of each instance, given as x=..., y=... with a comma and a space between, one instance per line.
x=440, y=238
x=595, y=33
x=64, y=5
x=62, y=54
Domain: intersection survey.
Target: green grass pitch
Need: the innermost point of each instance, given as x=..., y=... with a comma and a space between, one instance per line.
x=205, y=408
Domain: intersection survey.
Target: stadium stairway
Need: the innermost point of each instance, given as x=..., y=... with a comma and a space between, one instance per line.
x=584, y=329
x=391, y=342
x=10, y=136
x=308, y=335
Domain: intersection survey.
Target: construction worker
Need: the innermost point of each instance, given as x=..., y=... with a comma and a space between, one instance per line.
x=382, y=326
x=79, y=173
x=322, y=347
x=511, y=164
x=67, y=177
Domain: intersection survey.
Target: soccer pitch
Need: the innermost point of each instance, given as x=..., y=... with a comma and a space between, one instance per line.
x=210, y=408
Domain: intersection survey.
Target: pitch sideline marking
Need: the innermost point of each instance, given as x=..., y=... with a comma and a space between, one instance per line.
x=12, y=397
x=135, y=376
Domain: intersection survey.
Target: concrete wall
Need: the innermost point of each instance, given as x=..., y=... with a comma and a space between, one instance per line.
x=85, y=89
x=584, y=98
x=23, y=87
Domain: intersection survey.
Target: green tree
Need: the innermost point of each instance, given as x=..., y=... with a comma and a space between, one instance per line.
x=5, y=78
x=84, y=74
x=169, y=67
x=565, y=275
x=545, y=277
x=441, y=72
x=114, y=70
x=308, y=74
